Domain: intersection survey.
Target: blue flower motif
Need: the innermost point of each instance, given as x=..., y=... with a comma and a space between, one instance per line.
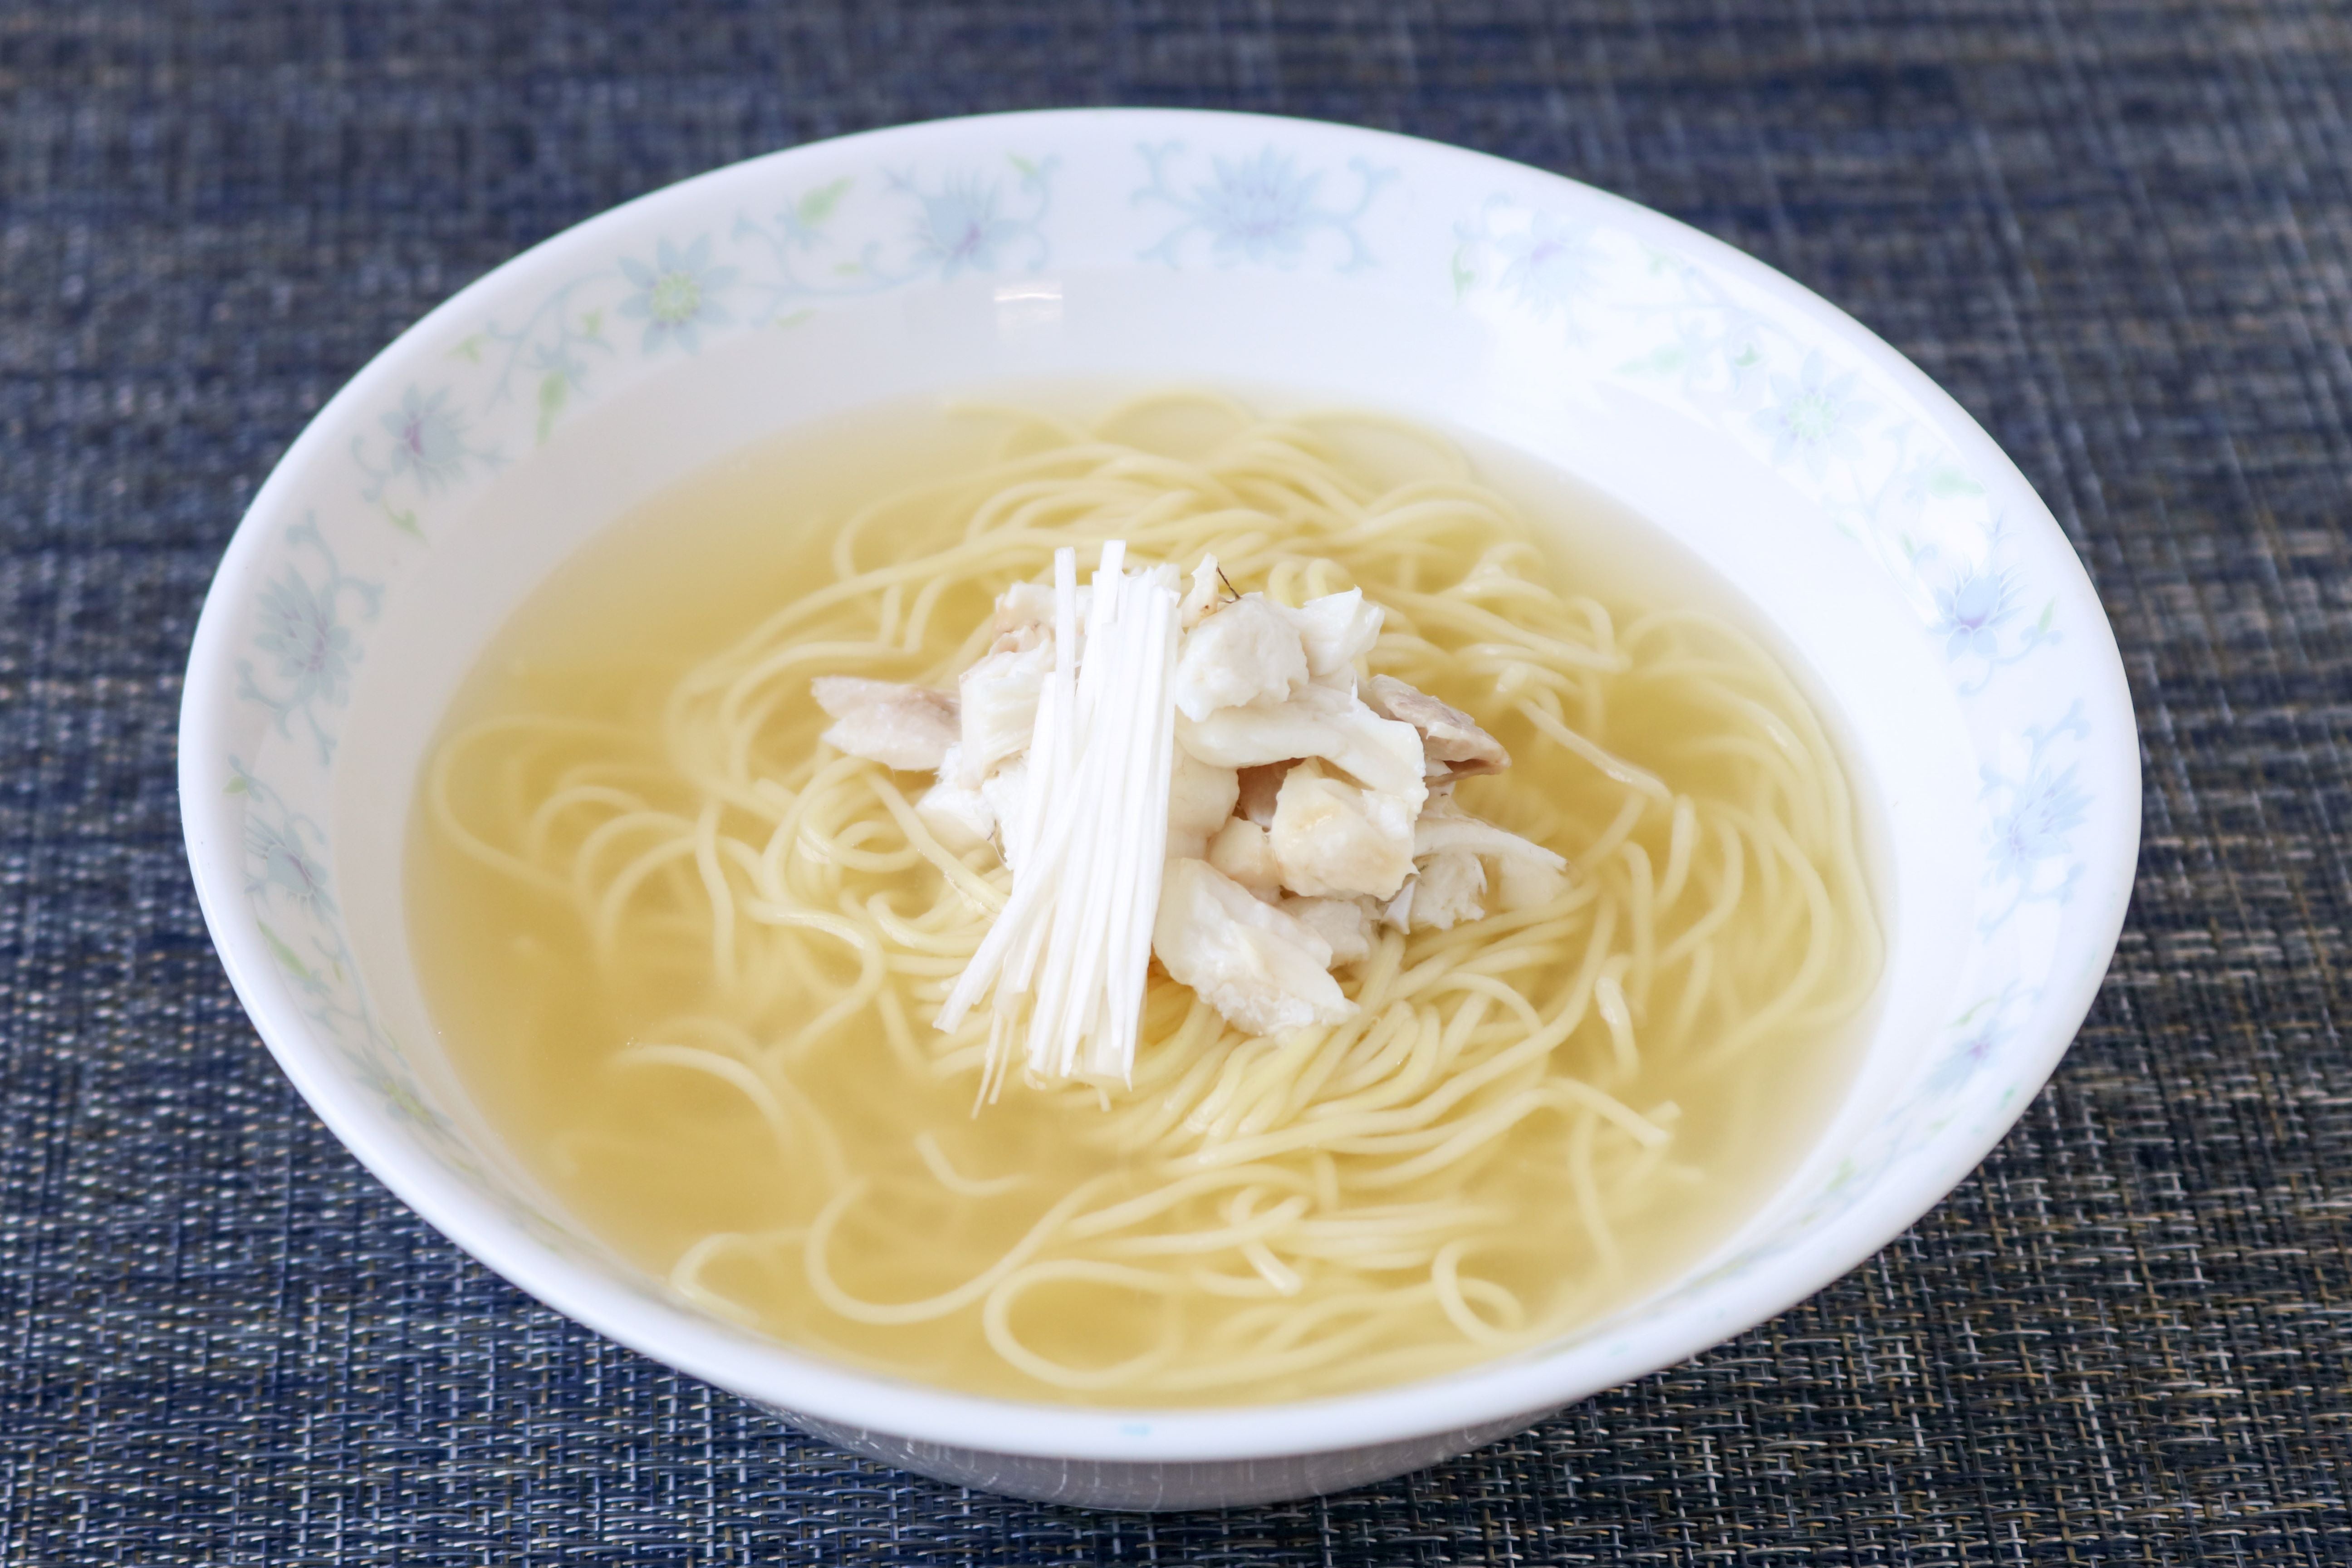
x=1259, y=209
x=2040, y=820
x=301, y=631
x=1974, y=607
x=677, y=296
x=276, y=849
x=1976, y=597
x=299, y=625
x=429, y=441
x=960, y=228
x=1550, y=265
x=2030, y=821
x=1962, y=1061
x=1814, y=415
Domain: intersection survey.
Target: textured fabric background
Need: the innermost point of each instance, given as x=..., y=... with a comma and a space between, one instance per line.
x=2120, y=231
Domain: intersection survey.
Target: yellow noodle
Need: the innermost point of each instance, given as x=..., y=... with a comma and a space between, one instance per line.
x=725, y=896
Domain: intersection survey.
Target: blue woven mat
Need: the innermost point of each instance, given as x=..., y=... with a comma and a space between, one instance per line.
x=2120, y=231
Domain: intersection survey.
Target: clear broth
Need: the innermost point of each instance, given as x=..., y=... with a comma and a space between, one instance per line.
x=651, y=1166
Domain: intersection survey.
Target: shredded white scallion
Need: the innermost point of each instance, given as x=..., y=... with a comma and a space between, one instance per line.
x=1064, y=965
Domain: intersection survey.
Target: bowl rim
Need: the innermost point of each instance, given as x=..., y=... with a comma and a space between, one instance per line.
x=771, y=1374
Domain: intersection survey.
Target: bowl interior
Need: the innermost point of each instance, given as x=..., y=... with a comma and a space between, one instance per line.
x=1907, y=573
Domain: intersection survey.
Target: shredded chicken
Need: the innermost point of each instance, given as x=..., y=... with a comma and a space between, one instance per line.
x=1029, y=606
x=1259, y=790
x=908, y=727
x=1527, y=873
x=1199, y=798
x=1346, y=924
x=1448, y=735
x=998, y=696
x=1317, y=721
x=1243, y=851
x=958, y=814
x=1266, y=970
x=1337, y=630
x=1305, y=807
x=1334, y=839
x=1005, y=791
x=1247, y=652
x=1207, y=591
x=1448, y=888
x=1522, y=882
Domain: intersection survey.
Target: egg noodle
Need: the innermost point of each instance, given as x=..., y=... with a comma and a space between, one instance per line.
x=767, y=931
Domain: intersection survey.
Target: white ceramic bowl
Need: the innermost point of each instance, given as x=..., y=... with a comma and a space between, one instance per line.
x=1943, y=618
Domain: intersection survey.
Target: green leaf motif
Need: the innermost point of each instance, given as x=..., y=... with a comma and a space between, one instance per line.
x=403, y=520
x=286, y=955
x=1950, y=483
x=1028, y=170
x=592, y=326
x=1464, y=276
x=404, y=1098
x=2048, y=613
x=552, y=391
x=818, y=205
x=470, y=350
x=795, y=319
x=235, y=785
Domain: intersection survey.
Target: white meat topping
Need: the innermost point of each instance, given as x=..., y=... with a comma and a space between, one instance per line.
x=1448, y=888
x=957, y=813
x=1317, y=721
x=1242, y=851
x=1527, y=873
x=899, y=726
x=1004, y=792
x=1256, y=791
x=1246, y=652
x=1300, y=816
x=1450, y=739
x=1029, y=606
x=999, y=699
x=1199, y=798
x=1346, y=924
x=1207, y=588
x=1522, y=882
x=1337, y=630
x=1264, y=970
x=1334, y=839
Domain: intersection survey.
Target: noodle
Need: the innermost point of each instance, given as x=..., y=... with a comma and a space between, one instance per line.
x=732, y=1059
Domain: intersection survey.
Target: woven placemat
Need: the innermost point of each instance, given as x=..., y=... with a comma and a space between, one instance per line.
x=2121, y=233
